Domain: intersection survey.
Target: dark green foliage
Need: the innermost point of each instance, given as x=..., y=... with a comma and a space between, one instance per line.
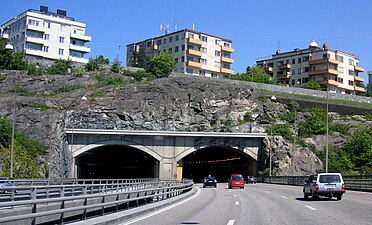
x=283, y=130
x=139, y=75
x=94, y=64
x=139, y=59
x=254, y=74
x=289, y=117
x=367, y=116
x=315, y=124
x=266, y=118
x=42, y=107
x=247, y=116
x=340, y=128
x=228, y=122
x=69, y=88
x=161, y=65
x=10, y=60
x=23, y=91
x=26, y=153
x=111, y=81
x=116, y=66
x=312, y=85
x=60, y=66
x=34, y=70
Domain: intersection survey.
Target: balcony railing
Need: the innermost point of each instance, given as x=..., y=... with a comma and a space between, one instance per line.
x=194, y=64
x=360, y=89
x=79, y=48
x=227, y=49
x=194, y=41
x=324, y=71
x=359, y=69
x=35, y=40
x=81, y=37
x=286, y=75
x=227, y=71
x=194, y=52
x=329, y=82
x=284, y=66
x=227, y=60
x=357, y=78
x=37, y=28
x=324, y=61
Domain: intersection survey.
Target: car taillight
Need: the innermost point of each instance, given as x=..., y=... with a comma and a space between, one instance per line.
x=316, y=187
x=343, y=187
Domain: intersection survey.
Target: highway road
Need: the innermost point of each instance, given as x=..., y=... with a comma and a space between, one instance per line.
x=262, y=204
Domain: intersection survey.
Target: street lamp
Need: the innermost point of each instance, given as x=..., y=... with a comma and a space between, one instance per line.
x=327, y=131
x=273, y=98
x=9, y=48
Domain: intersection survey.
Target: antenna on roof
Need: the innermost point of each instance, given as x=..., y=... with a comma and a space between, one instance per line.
x=279, y=45
x=165, y=29
x=174, y=25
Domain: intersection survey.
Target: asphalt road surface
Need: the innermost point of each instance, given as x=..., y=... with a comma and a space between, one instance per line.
x=262, y=204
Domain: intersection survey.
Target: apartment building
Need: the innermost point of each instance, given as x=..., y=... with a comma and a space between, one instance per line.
x=336, y=71
x=195, y=53
x=369, y=81
x=45, y=36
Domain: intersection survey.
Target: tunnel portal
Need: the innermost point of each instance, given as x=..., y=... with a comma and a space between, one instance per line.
x=116, y=162
x=219, y=162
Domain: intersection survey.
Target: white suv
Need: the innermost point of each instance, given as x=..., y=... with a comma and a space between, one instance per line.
x=324, y=184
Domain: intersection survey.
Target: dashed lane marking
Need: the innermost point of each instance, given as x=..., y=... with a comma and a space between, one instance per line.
x=236, y=203
x=283, y=196
x=310, y=207
x=231, y=222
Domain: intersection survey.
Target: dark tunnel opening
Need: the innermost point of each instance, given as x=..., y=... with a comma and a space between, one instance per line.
x=219, y=162
x=116, y=162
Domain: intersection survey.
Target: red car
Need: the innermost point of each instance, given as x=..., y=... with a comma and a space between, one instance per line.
x=236, y=180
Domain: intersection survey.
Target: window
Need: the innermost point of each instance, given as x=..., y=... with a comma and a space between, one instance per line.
x=218, y=42
x=299, y=70
x=217, y=53
x=351, y=72
x=203, y=61
x=204, y=38
x=293, y=61
x=61, y=40
x=340, y=69
x=287, y=61
x=340, y=58
x=149, y=44
x=170, y=39
x=299, y=81
x=326, y=56
x=202, y=73
x=170, y=50
x=305, y=58
x=183, y=47
x=217, y=64
x=190, y=46
x=45, y=48
x=33, y=22
x=293, y=82
x=46, y=36
x=176, y=49
x=351, y=62
x=299, y=60
x=183, y=59
x=158, y=42
x=351, y=83
x=340, y=80
x=203, y=50
x=189, y=70
x=177, y=37
x=191, y=35
x=176, y=60
x=279, y=63
x=305, y=69
x=227, y=44
x=293, y=71
x=183, y=36
x=165, y=41
x=190, y=58
x=60, y=51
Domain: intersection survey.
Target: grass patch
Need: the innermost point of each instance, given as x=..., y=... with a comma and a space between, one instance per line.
x=42, y=107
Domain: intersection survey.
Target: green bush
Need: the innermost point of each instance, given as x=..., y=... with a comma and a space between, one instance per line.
x=247, y=117
x=312, y=85
x=116, y=66
x=283, y=130
x=60, y=66
x=340, y=128
x=94, y=64
x=315, y=124
x=161, y=65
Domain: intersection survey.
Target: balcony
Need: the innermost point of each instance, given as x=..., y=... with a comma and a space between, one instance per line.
x=284, y=76
x=77, y=59
x=37, y=28
x=323, y=72
x=360, y=89
x=79, y=48
x=284, y=66
x=227, y=71
x=268, y=69
x=329, y=82
x=194, y=64
x=194, y=52
x=34, y=52
x=194, y=41
x=358, y=69
x=324, y=61
x=227, y=49
x=154, y=47
x=81, y=37
x=35, y=40
x=227, y=60
x=360, y=79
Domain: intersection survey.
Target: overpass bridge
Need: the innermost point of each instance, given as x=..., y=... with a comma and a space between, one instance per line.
x=101, y=153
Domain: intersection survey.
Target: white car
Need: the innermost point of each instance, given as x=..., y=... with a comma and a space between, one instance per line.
x=324, y=184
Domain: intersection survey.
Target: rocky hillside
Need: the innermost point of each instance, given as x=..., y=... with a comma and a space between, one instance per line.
x=45, y=105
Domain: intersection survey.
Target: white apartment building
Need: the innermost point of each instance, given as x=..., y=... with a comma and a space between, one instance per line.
x=335, y=70
x=45, y=36
x=195, y=53
x=369, y=81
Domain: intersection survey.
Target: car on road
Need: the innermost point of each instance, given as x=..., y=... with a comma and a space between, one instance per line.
x=236, y=180
x=6, y=182
x=209, y=181
x=324, y=184
x=251, y=180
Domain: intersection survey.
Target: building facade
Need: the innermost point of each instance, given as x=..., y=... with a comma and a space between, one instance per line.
x=195, y=53
x=369, y=81
x=45, y=36
x=336, y=71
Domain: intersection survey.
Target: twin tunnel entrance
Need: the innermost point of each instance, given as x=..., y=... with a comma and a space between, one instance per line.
x=125, y=162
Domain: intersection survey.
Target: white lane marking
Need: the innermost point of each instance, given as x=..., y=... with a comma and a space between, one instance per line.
x=236, y=203
x=231, y=222
x=310, y=207
x=267, y=191
x=283, y=196
x=161, y=210
x=234, y=195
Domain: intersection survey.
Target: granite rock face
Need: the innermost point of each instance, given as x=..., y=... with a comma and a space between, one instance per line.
x=46, y=105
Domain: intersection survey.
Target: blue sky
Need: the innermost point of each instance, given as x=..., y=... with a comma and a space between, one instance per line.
x=257, y=28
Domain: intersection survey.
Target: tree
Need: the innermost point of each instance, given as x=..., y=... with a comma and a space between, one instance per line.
x=9, y=59
x=315, y=124
x=116, y=66
x=94, y=64
x=60, y=66
x=161, y=65
x=139, y=59
x=254, y=74
x=312, y=85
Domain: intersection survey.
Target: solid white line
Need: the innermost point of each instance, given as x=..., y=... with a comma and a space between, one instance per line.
x=267, y=191
x=310, y=207
x=236, y=203
x=283, y=196
x=231, y=222
x=161, y=210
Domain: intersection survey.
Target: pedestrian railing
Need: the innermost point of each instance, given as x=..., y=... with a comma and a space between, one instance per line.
x=61, y=203
x=352, y=182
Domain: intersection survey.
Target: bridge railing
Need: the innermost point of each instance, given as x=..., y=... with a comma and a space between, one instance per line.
x=59, y=203
x=352, y=182
x=33, y=182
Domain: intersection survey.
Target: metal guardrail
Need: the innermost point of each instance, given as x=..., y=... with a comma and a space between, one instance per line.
x=352, y=182
x=60, y=203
